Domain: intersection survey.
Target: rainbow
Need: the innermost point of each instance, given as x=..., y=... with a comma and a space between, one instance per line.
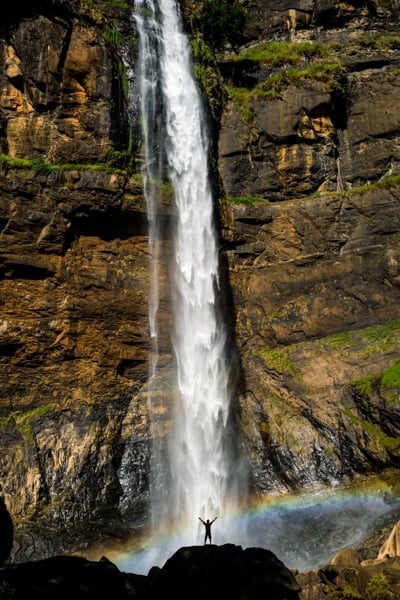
x=304, y=530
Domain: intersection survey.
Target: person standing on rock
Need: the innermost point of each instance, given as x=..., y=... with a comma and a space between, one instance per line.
x=207, y=524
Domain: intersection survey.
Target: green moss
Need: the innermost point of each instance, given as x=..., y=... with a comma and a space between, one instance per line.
x=41, y=167
x=278, y=359
x=117, y=4
x=112, y=35
x=280, y=53
x=391, y=444
x=353, y=419
x=24, y=420
x=207, y=72
x=383, y=42
x=37, y=165
x=391, y=377
x=386, y=183
x=365, y=385
x=351, y=593
x=378, y=588
x=247, y=200
x=344, y=339
x=292, y=53
x=326, y=73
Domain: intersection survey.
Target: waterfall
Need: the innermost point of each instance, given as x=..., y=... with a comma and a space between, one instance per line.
x=201, y=476
x=201, y=472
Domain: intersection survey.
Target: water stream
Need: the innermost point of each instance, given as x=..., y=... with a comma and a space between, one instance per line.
x=199, y=477
x=201, y=473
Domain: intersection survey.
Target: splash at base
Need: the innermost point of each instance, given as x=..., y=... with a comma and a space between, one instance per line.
x=304, y=531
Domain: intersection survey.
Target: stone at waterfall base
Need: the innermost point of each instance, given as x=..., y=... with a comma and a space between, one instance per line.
x=199, y=573
x=209, y=572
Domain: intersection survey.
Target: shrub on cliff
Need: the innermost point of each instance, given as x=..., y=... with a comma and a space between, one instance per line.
x=222, y=22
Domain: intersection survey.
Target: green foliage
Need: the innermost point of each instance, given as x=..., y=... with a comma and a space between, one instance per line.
x=326, y=73
x=116, y=163
x=221, y=21
x=24, y=420
x=117, y=159
x=378, y=588
x=278, y=359
x=383, y=331
x=38, y=165
x=391, y=444
x=247, y=200
x=41, y=167
x=391, y=377
x=207, y=72
x=124, y=4
x=351, y=593
x=353, y=419
x=7, y=591
x=112, y=35
x=386, y=183
x=365, y=385
x=281, y=53
x=383, y=42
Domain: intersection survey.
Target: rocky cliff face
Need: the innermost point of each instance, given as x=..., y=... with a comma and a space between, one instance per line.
x=307, y=152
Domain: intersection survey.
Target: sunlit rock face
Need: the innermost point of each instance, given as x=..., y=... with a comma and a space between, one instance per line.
x=311, y=282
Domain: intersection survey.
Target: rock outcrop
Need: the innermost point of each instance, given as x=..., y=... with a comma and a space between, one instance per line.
x=6, y=532
x=391, y=547
x=213, y=572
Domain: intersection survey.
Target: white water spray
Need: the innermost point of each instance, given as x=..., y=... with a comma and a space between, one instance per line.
x=201, y=477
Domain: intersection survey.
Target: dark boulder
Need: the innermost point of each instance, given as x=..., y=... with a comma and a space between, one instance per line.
x=6, y=532
x=198, y=572
x=223, y=572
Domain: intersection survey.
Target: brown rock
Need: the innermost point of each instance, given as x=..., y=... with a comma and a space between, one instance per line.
x=347, y=557
x=392, y=545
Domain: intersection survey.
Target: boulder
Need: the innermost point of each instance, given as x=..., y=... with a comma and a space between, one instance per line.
x=7, y=532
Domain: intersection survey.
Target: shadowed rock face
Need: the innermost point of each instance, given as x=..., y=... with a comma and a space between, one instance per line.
x=7, y=532
x=220, y=572
x=311, y=282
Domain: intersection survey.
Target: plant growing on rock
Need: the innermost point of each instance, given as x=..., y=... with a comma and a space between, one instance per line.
x=221, y=22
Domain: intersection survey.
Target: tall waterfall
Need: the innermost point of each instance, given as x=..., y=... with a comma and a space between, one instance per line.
x=201, y=477
x=200, y=472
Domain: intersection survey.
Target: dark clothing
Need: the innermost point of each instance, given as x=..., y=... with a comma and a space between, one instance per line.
x=207, y=524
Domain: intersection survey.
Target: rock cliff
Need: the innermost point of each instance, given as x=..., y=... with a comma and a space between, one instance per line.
x=306, y=145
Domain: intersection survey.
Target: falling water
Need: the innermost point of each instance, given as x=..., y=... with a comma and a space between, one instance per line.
x=201, y=478
x=202, y=474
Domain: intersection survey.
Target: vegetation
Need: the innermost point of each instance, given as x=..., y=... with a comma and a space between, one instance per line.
x=292, y=53
x=221, y=22
x=378, y=588
x=24, y=420
x=278, y=359
x=247, y=199
x=282, y=53
x=390, y=443
x=386, y=385
x=351, y=593
x=382, y=42
x=323, y=64
x=7, y=591
x=386, y=183
x=391, y=377
x=40, y=167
